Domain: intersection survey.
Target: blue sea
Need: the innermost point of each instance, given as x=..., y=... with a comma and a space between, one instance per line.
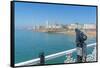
x=29, y=44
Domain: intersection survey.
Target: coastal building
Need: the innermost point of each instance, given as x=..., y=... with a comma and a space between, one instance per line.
x=73, y=26
x=82, y=26
x=36, y=27
x=89, y=26
x=52, y=26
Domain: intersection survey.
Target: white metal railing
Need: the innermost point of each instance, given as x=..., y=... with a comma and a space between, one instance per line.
x=49, y=57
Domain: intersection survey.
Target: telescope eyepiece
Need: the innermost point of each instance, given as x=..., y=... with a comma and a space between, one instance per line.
x=83, y=36
x=80, y=36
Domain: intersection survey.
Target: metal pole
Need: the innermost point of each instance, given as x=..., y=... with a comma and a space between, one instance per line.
x=81, y=45
x=42, y=58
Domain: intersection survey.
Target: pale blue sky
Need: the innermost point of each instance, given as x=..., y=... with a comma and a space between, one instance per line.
x=35, y=13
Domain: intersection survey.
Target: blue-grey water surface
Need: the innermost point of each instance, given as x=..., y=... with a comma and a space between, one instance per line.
x=29, y=44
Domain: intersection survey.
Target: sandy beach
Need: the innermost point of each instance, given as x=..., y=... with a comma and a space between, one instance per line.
x=88, y=33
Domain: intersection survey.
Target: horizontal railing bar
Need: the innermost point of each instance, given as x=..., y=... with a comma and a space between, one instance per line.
x=49, y=57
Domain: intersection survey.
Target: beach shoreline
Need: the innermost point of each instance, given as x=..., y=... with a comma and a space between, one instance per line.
x=70, y=32
x=88, y=33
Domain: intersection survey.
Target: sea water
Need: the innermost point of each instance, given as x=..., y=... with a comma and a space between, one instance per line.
x=29, y=44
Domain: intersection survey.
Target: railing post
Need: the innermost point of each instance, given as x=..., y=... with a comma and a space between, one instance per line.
x=81, y=45
x=42, y=58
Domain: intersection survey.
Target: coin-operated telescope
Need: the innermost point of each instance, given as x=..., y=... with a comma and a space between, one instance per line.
x=81, y=46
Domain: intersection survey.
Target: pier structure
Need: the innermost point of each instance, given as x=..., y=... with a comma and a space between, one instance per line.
x=59, y=54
